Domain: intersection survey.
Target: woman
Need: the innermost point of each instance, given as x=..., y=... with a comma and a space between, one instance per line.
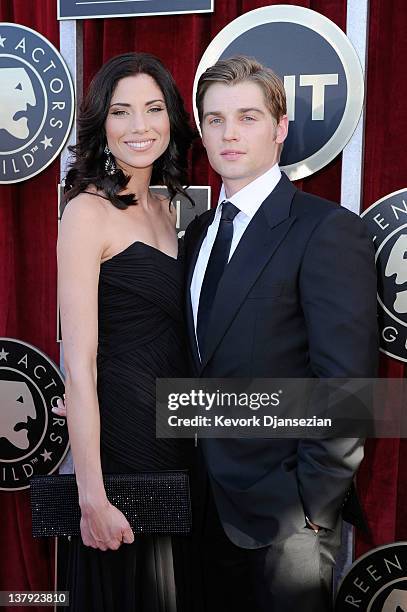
x=120, y=291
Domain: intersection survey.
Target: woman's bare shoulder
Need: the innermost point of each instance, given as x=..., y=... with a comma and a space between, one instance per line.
x=84, y=225
x=86, y=206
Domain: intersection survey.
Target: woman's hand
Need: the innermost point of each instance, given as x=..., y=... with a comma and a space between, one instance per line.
x=103, y=526
x=60, y=409
x=83, y=239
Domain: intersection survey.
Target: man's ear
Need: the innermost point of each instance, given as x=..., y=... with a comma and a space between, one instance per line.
x=202, y=134
x=282, y=129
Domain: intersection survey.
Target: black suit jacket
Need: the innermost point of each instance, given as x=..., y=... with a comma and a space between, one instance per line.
x=297, y=299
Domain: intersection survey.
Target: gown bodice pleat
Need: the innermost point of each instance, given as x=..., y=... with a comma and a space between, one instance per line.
x=140, y=338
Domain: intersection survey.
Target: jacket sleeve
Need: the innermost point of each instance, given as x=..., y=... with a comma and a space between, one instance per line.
x=338, y=297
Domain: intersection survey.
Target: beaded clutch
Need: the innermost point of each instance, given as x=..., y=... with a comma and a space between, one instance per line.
x=152, y=502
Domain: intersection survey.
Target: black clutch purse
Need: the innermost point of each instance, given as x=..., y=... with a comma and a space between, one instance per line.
x=152, y=502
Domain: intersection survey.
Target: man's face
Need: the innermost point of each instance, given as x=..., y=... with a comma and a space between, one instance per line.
x=396, y=602
x=397, y=264
x=241, y=137
x=16, y=405
x=16, y=92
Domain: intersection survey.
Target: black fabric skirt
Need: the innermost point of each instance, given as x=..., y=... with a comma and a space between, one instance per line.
x=151, y=575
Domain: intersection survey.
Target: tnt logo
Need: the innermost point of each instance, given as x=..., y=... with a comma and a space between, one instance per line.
x=321, y=72
x=318, y=82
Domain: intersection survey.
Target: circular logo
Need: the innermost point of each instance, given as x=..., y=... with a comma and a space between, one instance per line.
x=322, y=76
x=376, y=582
x=36, y=103
x=387, y=223
x=33, y=440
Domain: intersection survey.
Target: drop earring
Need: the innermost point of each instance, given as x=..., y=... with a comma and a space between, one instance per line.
x=110, y=166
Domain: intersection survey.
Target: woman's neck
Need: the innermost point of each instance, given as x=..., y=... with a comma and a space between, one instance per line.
x=139, y=184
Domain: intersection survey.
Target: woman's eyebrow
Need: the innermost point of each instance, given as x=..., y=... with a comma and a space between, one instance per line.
x=128, y=105
x=120, y=104
x=157, y=100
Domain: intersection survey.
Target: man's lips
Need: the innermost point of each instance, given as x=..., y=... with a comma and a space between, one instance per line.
x=20, y=114
x=21, y=425
x=231, y=154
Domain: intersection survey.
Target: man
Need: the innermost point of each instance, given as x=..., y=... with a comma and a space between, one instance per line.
x=280, y=284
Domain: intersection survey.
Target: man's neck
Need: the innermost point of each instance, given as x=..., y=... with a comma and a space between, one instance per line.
x=233, y=186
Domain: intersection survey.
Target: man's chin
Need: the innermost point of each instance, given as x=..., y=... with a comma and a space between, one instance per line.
x=234, y=171
x=19, y=128
x=20, y=439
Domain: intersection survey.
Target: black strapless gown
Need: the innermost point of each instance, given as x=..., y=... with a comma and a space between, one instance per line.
x=141, y=338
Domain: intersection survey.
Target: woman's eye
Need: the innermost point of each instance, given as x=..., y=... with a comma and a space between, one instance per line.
x=156, y=109
x=118, y=112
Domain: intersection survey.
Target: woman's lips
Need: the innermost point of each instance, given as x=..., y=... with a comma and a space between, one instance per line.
x=140, y=145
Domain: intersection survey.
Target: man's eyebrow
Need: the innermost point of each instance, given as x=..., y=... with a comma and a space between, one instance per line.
x=213, y=113
x=241, y=111
x=251, y=109
x=127, y=105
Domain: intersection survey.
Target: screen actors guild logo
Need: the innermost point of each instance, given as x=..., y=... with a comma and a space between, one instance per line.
x=322, y=77
x=15, y=96
x=32, y=439
x=36, y=103
x=387, y=224
x=376, y=582
x=18, y=406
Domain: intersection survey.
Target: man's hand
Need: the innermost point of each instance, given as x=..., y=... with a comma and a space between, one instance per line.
x=316, y=528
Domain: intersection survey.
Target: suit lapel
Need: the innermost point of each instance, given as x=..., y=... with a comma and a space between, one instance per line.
x=263, y=235
x=196, y=242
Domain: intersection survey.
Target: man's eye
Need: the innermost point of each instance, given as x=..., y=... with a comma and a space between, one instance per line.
x=214, y=120
x=248, y=118
x=19, y=86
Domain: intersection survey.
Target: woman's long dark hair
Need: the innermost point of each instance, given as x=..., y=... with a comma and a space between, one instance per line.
x=88, y=165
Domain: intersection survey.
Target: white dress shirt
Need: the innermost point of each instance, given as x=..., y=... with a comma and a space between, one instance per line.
x=248, y=200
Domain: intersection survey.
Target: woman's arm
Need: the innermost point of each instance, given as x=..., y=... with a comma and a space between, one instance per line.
x=80, y=249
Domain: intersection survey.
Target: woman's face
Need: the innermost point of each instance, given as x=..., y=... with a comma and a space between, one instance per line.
x=137, y=125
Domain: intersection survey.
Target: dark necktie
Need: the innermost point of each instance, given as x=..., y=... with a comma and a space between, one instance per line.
x=216, y=265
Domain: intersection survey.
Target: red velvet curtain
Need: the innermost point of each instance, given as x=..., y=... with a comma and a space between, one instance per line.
x=382, y=479
x=28, y=229
x=28, y=223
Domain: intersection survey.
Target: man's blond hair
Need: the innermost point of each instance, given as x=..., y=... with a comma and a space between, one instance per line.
x=238, y=69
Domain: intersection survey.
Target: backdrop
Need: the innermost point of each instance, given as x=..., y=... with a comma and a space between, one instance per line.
x=28, y=226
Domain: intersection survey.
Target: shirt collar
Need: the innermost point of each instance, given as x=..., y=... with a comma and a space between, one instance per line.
x=249, y=199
